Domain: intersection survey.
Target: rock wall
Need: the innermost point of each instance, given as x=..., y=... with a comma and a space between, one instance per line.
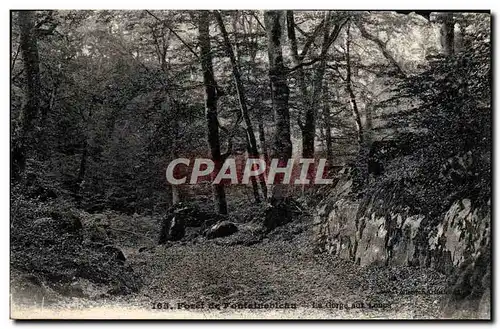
x=367, y=230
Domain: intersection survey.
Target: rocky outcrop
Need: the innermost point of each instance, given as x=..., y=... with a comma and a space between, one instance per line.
x=368, y=230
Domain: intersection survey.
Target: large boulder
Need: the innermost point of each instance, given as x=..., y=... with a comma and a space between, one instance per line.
x=221, y=229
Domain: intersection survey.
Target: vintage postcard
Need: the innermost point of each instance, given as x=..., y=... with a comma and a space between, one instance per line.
x=250, y=164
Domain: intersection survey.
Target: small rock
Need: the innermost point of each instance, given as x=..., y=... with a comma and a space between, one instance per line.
x=116, y=251
x=222, y=229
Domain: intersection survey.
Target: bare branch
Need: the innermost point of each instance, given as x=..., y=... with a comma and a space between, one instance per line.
x=331, y=39
x=334, y=35
x=258, y=21
x=382, y=46
x=176, y=34
x=303, y=64
x=336, y=68
x=311, y=39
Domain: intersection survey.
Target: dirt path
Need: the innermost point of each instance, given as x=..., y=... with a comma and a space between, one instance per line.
x=272, y=279
x=283, y=274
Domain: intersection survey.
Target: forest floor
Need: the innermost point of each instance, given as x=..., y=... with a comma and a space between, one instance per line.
x=217, y=279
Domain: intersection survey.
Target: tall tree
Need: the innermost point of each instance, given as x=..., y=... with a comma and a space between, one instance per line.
x=252, y=142
x=363, y=140
x=327, y=123
x=282, y=144
x=310, y=100
x=29, y=51
x=447, y=33
x=350, y=90
x=297, y=60
x=211, y=104
x=251, y=37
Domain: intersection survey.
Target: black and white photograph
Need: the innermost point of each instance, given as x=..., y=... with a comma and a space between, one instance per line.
x=274, y=164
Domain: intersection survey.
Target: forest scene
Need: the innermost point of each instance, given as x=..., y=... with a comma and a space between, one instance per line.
x=124, y=122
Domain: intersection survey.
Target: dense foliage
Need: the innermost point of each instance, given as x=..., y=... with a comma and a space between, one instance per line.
x=447, y=156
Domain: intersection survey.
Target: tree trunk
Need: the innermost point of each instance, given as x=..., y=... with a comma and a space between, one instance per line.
x=211, y=105
x=260, y=115
x=81, y=171
x=368, y=130
x=43, y=143
x=308, y=125
x=309, y=131
x=262, y=137
x=282, y=144
x=253, y=180
x=447, y=33
x=459, y=39
x=84, y=158
x=363, y=146
x=328, y=125
x=251, y=140
x=352, y=96
x=310, y=100
x=177, y=194
x=304, y=94
x=29, y=51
